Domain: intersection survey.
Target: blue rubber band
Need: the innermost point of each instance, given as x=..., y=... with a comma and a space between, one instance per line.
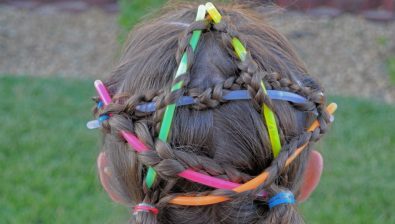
x=100, y=104
x=284, y=197
x=102, y=118
x=232, y=95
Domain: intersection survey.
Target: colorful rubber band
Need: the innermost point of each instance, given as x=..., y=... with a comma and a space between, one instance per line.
x=284, y=197
x=100, y=104
x=251, y=184
x=267, y=112
x=240, y=50
x=213, y=12
x=145, y=207
x=102, y=92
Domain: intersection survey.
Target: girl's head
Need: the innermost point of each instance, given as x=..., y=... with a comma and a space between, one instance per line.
x=214, y=136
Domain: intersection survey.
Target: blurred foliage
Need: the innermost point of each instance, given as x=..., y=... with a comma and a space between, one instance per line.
x=131, y=12
x=383, y=41
x=47, y=159
x=391, y=69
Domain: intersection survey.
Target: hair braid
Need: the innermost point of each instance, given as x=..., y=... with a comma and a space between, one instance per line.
x=249, y=70
x=183, y=46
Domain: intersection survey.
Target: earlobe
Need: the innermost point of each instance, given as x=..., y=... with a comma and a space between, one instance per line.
x=104, y=175
x=312, y=175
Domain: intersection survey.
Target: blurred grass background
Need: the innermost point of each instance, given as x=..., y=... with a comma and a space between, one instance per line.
x=47, y=156
x=131, y=12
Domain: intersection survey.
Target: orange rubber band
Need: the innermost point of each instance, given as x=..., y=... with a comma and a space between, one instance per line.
x=250, y=185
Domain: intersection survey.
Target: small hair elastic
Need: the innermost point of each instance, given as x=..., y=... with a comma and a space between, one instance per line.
x=103, y=92
x=284, y=197
x=103, y=117
x=100, y=104
x=144, y=207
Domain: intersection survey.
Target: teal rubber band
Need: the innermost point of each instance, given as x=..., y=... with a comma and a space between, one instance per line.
x=285, y=197
x=150, y=178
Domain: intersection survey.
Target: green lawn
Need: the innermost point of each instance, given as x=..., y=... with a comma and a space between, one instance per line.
x=132, y=12
x=48, y=174
x=47, y=156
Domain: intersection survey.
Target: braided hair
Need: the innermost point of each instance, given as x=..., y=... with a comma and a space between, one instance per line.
x=227, y=140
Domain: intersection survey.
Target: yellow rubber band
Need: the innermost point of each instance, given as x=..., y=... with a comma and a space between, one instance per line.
x=213, y=12
x=271, y=125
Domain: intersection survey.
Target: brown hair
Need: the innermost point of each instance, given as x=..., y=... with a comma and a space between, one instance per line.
x=224, y=139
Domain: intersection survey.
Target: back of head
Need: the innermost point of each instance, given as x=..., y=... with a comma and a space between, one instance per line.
x=221, y=138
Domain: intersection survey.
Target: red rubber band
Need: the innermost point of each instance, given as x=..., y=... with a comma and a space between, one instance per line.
x=143, y=207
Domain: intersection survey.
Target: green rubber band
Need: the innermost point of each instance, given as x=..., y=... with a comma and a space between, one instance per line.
x=150, y=178
x=271, y=126
x=272, y=129
x=170, y=109
x=239, y=48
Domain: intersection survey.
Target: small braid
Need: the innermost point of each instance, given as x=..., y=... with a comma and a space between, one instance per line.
x=170, y=162
x=183, y=47
x=250, y=73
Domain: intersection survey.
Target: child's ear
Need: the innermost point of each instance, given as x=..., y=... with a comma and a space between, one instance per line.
x=312, y=175
x=104, y=175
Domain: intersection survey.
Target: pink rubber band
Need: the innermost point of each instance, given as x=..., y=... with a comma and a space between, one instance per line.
x=188, y=174
x=103, y=92
x=134, y=142
x=207, y=180
x=143, y=207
